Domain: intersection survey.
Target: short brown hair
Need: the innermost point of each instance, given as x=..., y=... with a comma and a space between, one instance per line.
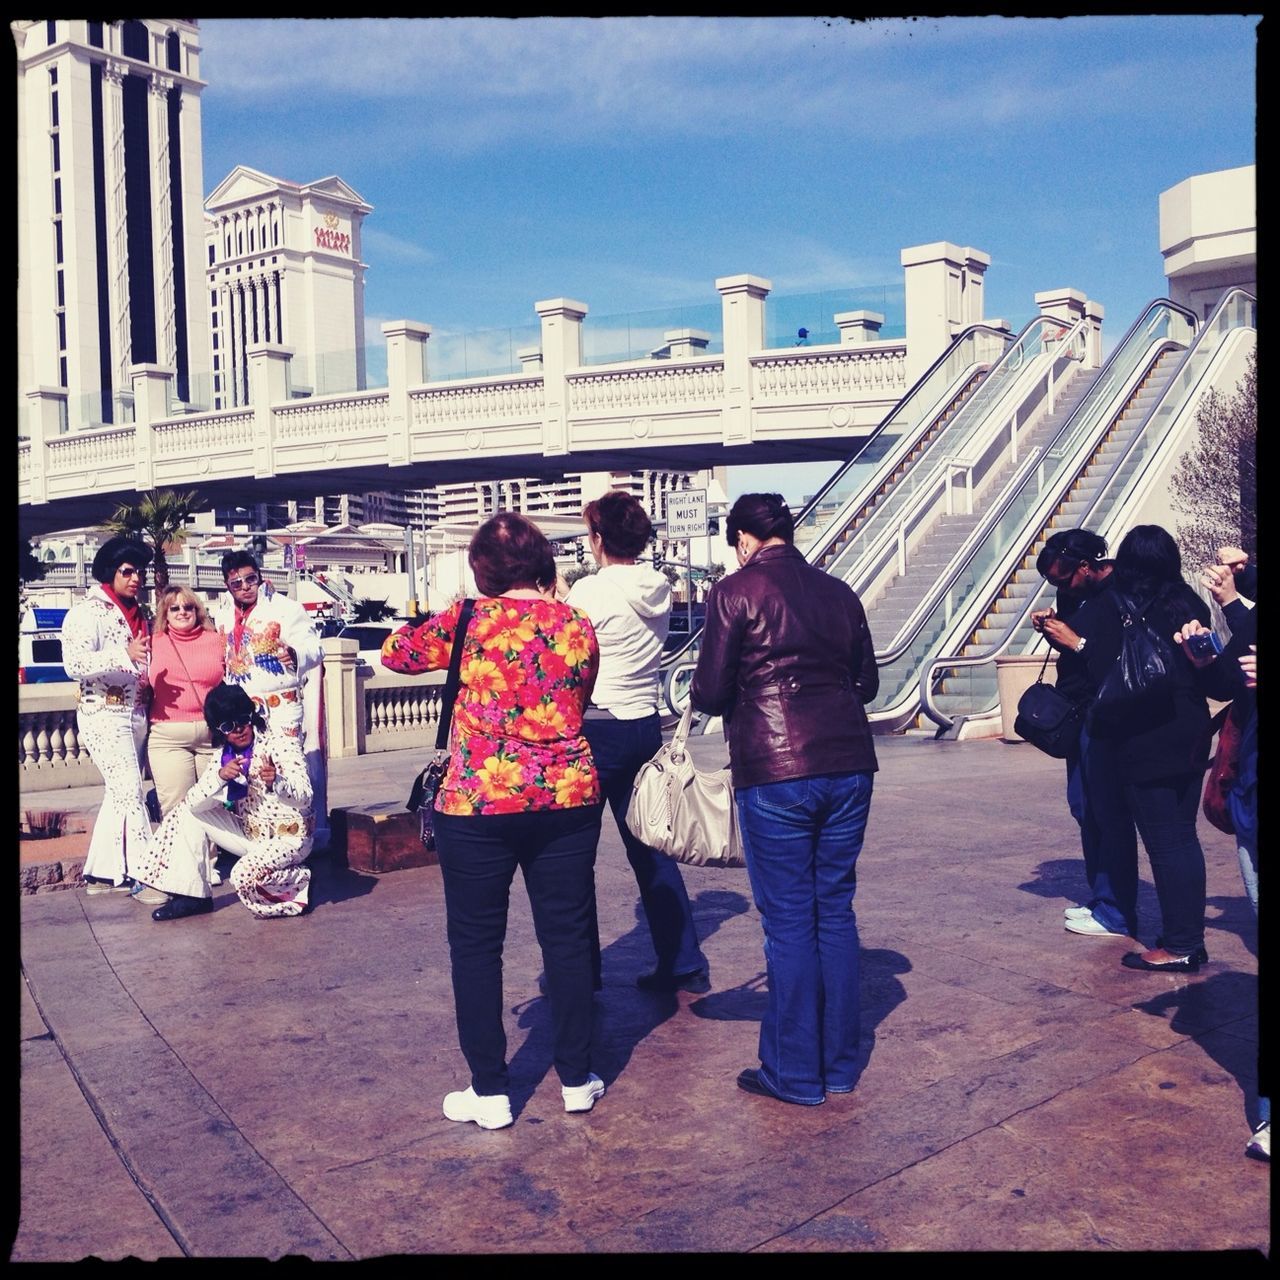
x=508, y=552
x=622, y=523
x=180, y=595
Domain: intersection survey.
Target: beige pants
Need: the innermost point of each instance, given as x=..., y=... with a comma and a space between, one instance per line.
x=178, y=752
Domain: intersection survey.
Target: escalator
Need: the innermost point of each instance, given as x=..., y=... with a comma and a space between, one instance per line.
x=1097, y=475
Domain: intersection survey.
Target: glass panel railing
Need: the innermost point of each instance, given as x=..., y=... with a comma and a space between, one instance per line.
x=637, y=335
x=1042, y=337
x=978, y=347
x=787, y=314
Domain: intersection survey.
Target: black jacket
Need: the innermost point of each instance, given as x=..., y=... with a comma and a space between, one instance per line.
x=787, y=660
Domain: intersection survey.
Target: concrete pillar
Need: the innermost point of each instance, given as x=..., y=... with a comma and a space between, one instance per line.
x=343, y=698
x=1094, y=313
x=406, y=367
x=683, y=343
x=268, y=386
x=150, y=405
x=46, y=419
x=944, y=293
x=530, y=360
x=1066, y=306
x=742, y=307
x=561, y=351
x=858, y=326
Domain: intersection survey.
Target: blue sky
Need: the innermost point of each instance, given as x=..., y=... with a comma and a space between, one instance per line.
x=628, y=162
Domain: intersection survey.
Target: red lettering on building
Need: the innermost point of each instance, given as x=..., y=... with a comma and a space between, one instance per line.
x=338, y=240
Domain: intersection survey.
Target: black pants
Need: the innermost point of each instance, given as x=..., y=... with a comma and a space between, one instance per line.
x=556, y=851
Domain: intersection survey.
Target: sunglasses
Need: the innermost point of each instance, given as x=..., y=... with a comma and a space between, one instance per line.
x=182, y=608
x=249, y=580
x=233, y=726
x=128, y=571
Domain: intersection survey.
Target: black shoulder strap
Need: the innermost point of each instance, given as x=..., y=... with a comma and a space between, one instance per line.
x=450, y=694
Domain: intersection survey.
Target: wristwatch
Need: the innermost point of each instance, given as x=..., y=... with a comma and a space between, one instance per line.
x=1080, y=645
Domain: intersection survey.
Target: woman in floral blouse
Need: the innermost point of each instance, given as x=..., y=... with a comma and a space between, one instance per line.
x=520, y=791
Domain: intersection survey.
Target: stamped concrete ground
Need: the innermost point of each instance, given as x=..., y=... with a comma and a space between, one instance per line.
x=228, y=1087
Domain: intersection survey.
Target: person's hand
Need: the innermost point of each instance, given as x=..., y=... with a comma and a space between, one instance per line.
x=1197, y=657
x=1039, y=617
x=1234, y=558
x=1220, y=582
x=1060, y=635
x=139, y=647
x=289, y=657
x=1249, y=665
x=267, y=772
x=232, y=771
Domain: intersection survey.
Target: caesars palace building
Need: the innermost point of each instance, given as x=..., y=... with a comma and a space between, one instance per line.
x=124, y=262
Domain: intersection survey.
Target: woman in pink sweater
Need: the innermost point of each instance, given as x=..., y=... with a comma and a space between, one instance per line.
x=187, y=660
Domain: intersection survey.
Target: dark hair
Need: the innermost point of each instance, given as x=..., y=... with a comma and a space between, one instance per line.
x=763, y=516
x=117, y=551
x=1148, y=562
x=622, y=523
x=226, y=702
x=241, y=559
x=509, y=551
x=1073, y=547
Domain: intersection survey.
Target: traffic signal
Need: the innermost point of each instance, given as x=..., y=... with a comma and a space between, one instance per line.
x=657, y=556
x=580, y=551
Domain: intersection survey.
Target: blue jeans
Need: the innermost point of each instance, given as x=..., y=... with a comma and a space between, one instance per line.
x=1102, y=895
x=620, y=747
x=802, y=839
x=556, y=851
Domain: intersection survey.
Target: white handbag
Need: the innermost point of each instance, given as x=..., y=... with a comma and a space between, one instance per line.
x=683, y=811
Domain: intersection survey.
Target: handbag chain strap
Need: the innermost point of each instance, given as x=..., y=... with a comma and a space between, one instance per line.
x=1045, y=664
x=450, y=693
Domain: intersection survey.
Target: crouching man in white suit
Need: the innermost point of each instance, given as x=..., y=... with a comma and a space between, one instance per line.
x=253, y=802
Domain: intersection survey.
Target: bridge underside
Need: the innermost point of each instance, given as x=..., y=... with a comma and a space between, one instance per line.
x=36, y=520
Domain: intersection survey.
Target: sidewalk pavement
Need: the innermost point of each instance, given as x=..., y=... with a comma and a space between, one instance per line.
x=229, y=1087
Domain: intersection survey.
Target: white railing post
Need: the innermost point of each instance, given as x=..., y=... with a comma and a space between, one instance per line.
x=902, y=547
x=343, y=712
x=561, y=351
x=858, y=326
x=46, y=415
x=406, y=367
x=742, y=310
x=268, y=386
x=150, y=405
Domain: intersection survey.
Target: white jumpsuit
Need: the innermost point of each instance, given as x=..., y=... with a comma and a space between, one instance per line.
x=112, y=722
x=268, y=832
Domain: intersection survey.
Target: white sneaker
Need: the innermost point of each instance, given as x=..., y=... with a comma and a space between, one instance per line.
x=1091, y=926
x=489, y=1111
x=1077, y=913
x=582, y=1097
x=1260, y=1144
x=106, y=886
x=148, y=896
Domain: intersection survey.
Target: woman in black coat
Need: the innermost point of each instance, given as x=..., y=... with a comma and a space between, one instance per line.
x=1144, y=765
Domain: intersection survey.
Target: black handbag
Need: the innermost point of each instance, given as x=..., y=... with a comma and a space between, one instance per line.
x=1047, y=719
x=1141, y=681
x=422, y=794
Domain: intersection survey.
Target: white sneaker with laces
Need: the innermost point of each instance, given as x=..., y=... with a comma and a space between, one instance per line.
x=148, y=896
x=582, y=1097
x=1091, y=926
x=489, y=1111
x=1260, y=1144
x=1077, y=913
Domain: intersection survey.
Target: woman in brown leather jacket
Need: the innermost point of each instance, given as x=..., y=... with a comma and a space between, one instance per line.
x=787, y=660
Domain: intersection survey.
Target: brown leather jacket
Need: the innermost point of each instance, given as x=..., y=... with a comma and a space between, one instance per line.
x=787, y=660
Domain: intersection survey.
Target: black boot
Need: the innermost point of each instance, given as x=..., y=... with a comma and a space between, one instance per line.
x=180, y=905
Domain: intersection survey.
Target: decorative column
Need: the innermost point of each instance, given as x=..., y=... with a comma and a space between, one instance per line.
x=1093, y=313
x=406, y=367
x=858, y=326
x=161, y=217
x=944, y=293
x=46, y=415
x=561, y=351
x=1066, y=306
x=269, y=386
x=530, y=361
x=343, y=699
x=113, y=74
x=742, y=306
x=150, y=405
x=683, y=343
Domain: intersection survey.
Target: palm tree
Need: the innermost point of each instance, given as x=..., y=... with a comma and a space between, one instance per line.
x=159, y=517
x=367, y=609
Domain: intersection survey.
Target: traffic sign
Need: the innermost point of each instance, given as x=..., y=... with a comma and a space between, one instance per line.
x=687, y=514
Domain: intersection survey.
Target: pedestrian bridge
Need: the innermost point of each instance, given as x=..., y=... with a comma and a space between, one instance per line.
x=684, y=409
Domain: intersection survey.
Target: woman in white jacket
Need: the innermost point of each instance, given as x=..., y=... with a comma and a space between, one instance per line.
x=629, y=605
x=105, y=643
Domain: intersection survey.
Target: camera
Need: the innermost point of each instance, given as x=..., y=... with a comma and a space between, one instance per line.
x=1204, y=644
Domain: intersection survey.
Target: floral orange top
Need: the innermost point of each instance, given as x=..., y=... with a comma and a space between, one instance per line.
x=516, y=743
